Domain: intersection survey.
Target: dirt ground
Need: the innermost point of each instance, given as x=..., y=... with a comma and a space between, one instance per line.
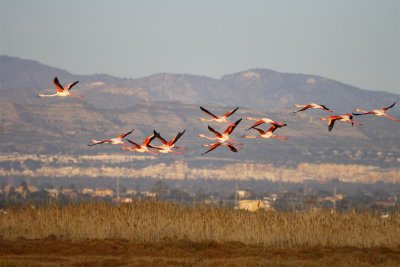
x=51, y=252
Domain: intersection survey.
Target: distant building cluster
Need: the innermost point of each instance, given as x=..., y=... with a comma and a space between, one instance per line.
x=283, y=200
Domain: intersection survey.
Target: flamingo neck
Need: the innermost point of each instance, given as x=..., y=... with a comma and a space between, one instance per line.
x=251, y=119
x=42, y=95
x=207, y=137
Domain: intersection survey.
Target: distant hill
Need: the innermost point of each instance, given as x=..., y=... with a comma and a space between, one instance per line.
x=257, y=89
x=169, y=103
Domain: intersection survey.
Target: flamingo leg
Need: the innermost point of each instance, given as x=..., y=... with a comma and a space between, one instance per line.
x=392, y=118
x=279, y=137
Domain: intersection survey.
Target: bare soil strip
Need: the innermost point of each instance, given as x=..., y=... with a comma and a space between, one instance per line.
x=48, y=252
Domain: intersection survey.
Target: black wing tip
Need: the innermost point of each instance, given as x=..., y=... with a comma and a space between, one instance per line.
x=238, y=121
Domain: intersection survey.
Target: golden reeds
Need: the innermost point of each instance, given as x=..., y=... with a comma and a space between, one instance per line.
x=152, y=221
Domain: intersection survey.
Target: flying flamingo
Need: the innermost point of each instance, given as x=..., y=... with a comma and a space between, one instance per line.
x=62, y=91
x=115, y=141
x=225, y=136
x=311, y=105
x=266, y=134
x=220, y=119
x=377, y=112
x=345, y=118
x=167, y=147
x=264, y=120
x=217, y=144
x=141, y=148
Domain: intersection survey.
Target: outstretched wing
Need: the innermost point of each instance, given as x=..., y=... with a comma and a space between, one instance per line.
x=134, y=144
x=174, y=140
x=256, y=124
x=331, y=124
x=208, y=112
x=259, y=130
x=147, y=141
x=302, y=109
x=125, y=134
x=99, y=142
x=160, y=138
x=214, y=146
x=230, y=112
x=232, y=148
x=325, y=108
x=58, y=85
x=232, y=127
x=69, y=86
x=386, y=108
x=215, y=132
x=272, y=128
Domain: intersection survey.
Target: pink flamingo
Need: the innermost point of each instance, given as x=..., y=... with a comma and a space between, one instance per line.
x=225, y=136
x=381, y=112
x=265, y=120
x=141, y=148
x=311, y=105
x=266, y=134
x=344, y=118
x=115, y=141
x=167, y=147
x=61, y=91
x=220, y=119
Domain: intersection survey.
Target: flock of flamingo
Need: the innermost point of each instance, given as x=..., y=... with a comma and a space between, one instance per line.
x=220, y=139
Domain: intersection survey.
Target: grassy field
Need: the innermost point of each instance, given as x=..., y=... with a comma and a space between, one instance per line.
x=146, y=233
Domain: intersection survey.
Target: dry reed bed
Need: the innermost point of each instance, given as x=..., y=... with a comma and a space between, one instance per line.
x=149, y=221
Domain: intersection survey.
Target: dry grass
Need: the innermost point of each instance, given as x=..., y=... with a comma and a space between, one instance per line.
x=152, y=222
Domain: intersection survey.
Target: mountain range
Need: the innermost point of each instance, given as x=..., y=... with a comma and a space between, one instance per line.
x=170, y=103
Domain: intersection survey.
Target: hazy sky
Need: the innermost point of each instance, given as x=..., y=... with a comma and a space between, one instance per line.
x=356, y=42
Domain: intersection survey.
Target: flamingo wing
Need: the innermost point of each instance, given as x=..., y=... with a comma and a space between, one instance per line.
x=159, y=137
x=149, y=139
x=232, y=127
x=386, y=108
x=332, y=123
x=174, y=140
x=209, y=113
x=232, y=148
x=134, y=144
x=325, y=108
x=100, y=142
x=214, y=146
x=215, y=132
x=303, y=108
x=259, y=130
x=58, y=85
x=230, y=112
x=272, y=128
x=69, y=86
x=125, y=134
x=256, y=124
